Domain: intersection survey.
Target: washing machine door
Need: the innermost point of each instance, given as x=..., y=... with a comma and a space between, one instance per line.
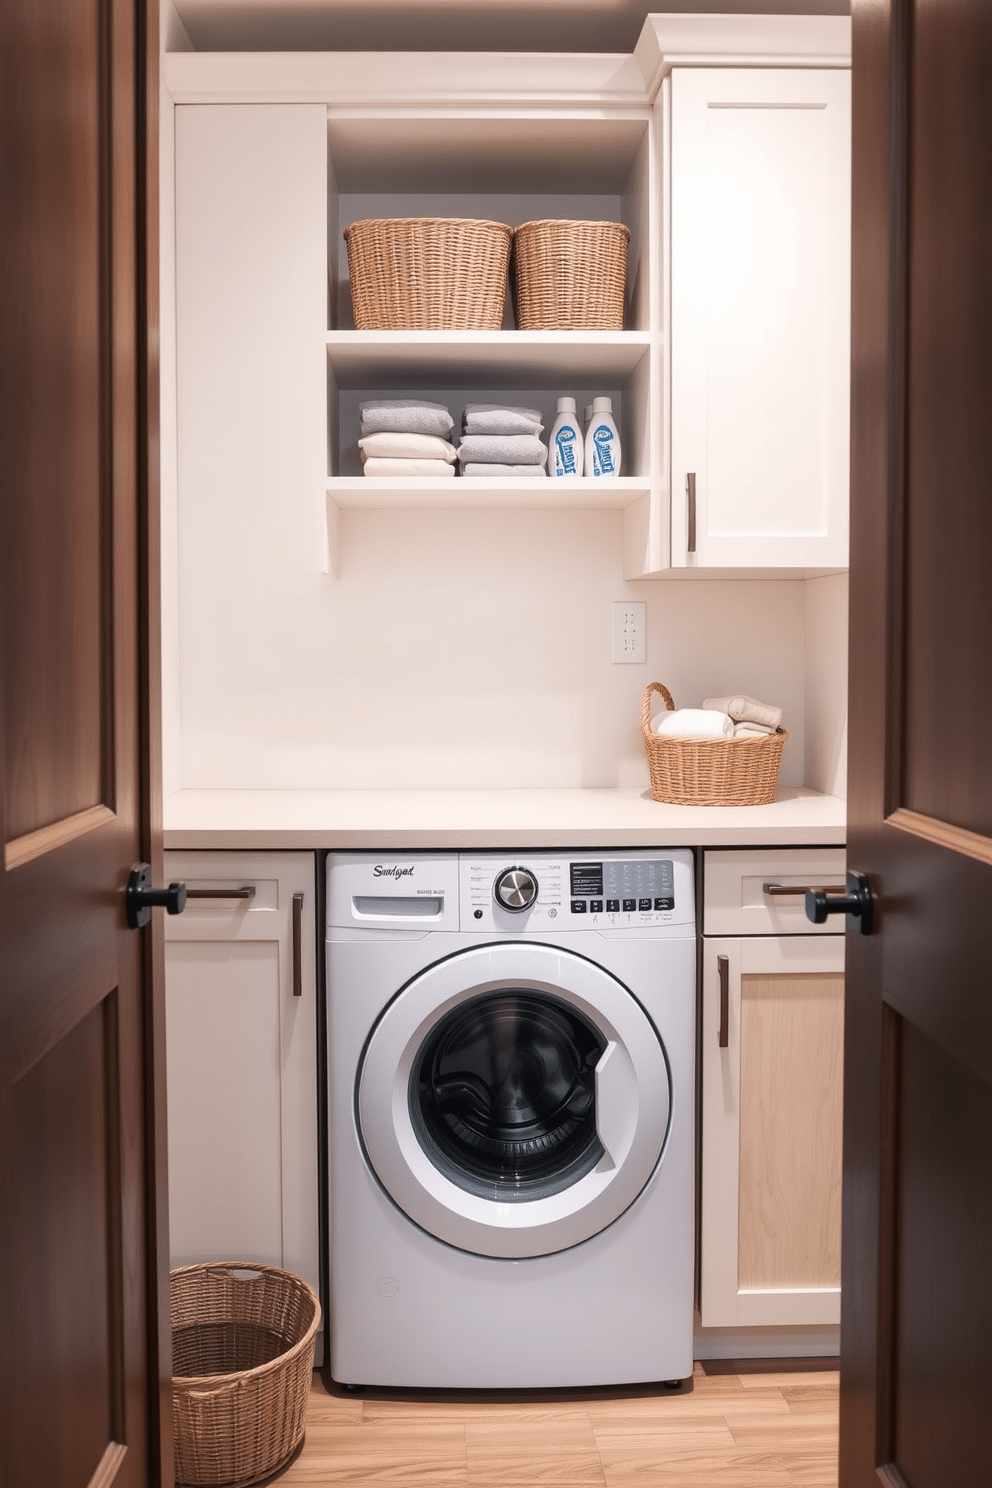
x=514, y=1099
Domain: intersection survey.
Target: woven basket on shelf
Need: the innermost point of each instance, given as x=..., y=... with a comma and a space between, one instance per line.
x=428, y=273
x=570, y=276
x=243, y=1341
x=710, y=772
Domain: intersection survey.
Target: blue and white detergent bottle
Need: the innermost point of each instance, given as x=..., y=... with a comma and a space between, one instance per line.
x=603, y=453
x=565, y=444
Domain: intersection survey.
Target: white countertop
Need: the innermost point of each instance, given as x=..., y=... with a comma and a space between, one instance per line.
x=309, y=819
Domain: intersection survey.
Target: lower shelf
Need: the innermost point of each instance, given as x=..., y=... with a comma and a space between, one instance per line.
x=479, y=494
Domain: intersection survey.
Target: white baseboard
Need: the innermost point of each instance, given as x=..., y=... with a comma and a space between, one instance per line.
x=765, y=1343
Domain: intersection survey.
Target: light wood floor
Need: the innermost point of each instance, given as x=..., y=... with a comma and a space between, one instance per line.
x=739, y=1425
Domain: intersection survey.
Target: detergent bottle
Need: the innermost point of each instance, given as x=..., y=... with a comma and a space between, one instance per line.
x=603, y=452
x=565, y=444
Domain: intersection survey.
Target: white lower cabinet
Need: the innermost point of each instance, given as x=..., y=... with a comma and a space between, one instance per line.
x=772, y=1077
x=242, y=1060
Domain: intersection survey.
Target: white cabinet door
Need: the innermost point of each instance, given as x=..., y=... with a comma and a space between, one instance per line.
x=251, y=308
x=772, y=1032
x=760, y=317
x=242, y=1061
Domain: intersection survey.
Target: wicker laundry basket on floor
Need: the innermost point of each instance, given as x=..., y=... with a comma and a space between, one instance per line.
x=243, y=1340
x=709, y=772
x=428, y=273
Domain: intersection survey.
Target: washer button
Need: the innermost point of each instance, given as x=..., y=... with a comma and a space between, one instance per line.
x=644, y=903
x=578, y=906
x=613, y=906
x=664, y=904
x=629, y=904
x=595, y=906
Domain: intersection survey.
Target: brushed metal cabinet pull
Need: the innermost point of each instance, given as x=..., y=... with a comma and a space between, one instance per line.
x=690, y=490
x=297, y=945
x=723, y=972
x=246, y=892
x=775, y=889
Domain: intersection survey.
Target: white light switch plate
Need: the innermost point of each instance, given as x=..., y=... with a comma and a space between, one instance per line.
x=629, y=626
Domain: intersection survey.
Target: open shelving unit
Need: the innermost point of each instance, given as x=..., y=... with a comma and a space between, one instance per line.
x=513, y=166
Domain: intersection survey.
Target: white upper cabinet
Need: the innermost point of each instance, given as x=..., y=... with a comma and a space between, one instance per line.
x=729, y=373
x=760, y=317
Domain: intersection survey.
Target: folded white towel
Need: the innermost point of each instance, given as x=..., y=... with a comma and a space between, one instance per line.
x=743, y=709
x=473, y=468
x=407, y=447
x=694, y=723
x=405, y=416
x=503, y=449
x=436, y=469
x=492, y=418
x=757, y=730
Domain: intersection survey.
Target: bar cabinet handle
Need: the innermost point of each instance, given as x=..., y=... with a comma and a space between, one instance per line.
x=723, y=972
x=690, y=490
x=297, y=945
x=246, y=892
x=796, y=890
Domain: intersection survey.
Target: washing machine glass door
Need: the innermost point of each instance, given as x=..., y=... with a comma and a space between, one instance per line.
x=514, y=1099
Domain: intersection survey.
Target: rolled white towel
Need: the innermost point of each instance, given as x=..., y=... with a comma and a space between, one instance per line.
x=694, y=723
x=744, y=709
x=394, y=446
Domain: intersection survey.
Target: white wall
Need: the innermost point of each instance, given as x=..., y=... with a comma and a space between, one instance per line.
x=457, y=648
x=462, y=649
x=825, y=672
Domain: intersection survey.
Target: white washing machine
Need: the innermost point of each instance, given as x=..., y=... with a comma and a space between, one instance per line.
x=510, y=1047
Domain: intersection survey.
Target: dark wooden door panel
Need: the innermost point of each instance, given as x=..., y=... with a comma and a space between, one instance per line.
x=84, y=1276
x=948, y=720
x=55, y=186
x=917, y=1286
x=62, y=1240
x=941, y=1308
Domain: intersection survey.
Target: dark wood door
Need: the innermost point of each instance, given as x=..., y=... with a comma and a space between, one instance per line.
x=916, y=1376
x=83, y=1271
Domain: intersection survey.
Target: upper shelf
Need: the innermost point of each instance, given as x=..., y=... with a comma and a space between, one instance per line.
x=483, y=358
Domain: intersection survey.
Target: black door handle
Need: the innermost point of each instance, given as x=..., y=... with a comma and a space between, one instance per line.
x=140, y=898
x=857, y=904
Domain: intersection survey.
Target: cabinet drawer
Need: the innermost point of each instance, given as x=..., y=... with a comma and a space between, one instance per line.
x=241, y=896
x=735, y=901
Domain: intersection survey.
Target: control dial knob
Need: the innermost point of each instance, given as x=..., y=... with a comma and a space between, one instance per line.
x=515, y=889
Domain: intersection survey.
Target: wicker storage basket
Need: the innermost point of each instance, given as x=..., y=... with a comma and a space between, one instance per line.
x=710, y=772
x=570, y=276
x=428, y=273
x=243, y=1341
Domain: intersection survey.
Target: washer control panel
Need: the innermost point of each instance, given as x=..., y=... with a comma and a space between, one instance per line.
x=643, y=886
x=615, y=891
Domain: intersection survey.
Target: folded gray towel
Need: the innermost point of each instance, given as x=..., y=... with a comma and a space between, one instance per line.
x=473, y=468
x=503, y=449
x=405, y=416
x=491, y=418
